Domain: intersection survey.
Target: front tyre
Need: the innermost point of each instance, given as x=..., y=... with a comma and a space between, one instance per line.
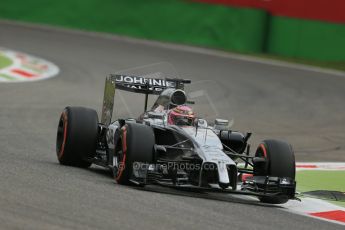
x=76, y=136
x=280, y=162
x=136, y=144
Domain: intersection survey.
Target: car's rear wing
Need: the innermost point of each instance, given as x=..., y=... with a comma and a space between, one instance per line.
x=136, y=84
x=147, y=85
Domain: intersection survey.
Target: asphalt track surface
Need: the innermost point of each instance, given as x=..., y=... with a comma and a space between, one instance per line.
x=303, y=107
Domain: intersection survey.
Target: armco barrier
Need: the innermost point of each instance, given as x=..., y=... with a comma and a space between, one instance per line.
x=306, y=39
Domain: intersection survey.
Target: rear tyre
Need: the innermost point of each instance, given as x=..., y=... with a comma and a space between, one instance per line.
x=136, y=144
x=280, y=162
x=76, y=136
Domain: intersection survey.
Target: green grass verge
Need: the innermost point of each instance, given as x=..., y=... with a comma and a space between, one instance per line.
x=4, y=61
x=321, y=180
x=7, y=77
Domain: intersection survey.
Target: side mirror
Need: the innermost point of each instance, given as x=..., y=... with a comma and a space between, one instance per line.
x=221, y=124
x=201, y=123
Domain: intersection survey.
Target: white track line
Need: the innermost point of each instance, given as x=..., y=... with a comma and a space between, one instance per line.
x=308, y=206
x=337, y=166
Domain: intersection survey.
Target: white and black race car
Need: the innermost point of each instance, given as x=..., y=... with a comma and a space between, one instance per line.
x=192, y=155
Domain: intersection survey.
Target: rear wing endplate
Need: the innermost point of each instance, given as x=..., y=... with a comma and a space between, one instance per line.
x=108, y=101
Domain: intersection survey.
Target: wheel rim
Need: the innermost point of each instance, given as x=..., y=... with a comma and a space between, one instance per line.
x=61, y=135
x=263, y=150
x=117, y=160
x=262, y=169
x=121, y=154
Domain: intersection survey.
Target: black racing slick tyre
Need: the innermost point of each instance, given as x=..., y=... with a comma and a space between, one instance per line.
x=136, y=144
x=76, y=136
x=280, y=162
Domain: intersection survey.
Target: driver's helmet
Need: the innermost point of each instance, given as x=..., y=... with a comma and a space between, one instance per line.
x=181, y=115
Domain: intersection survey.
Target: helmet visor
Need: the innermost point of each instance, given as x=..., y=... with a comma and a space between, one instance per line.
x=183, y=120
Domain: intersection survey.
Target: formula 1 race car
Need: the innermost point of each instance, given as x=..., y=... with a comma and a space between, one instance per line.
x=169, y=145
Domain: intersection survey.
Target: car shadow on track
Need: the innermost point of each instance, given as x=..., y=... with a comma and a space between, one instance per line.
x=239, y=199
